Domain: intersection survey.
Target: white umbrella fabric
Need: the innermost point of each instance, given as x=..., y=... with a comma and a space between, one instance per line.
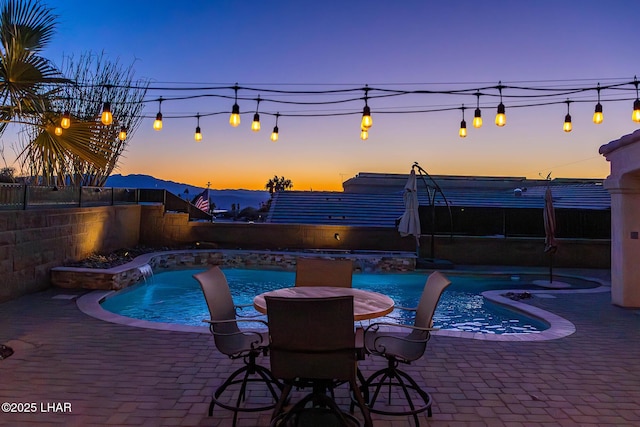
x=549, y=215
x=409, y=224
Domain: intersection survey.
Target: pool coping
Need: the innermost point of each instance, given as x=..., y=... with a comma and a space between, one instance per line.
x=559, y=327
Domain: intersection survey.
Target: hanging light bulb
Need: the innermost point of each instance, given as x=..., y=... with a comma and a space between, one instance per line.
x=198, y=134
x=367, y=121
x=598, y=117
x=274, y=134
x=157, y=124
x=122, y=135
x=58, y=131
x=106, y=117
x=65, y=122
x=635, y=116
x=463, y=129
x=255, y=124
x=364, y=134
x=463, y=125
x=477, y=115
x=501, y=117
x=234, y=119
x=567, y=127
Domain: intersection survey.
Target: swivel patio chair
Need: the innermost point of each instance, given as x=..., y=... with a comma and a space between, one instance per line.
x=313, y=345
x=400, y=343
x=324, y=272
x=237, y=344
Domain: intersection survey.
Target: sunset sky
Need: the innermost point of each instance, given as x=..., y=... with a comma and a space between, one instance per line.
x=337, y=44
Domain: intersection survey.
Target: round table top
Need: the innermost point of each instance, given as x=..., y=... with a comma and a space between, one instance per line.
x=366, y=304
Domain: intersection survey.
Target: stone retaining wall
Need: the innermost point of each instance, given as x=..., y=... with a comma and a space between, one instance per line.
x=34, y=241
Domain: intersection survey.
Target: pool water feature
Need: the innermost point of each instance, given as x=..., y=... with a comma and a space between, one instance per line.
x=175, y=297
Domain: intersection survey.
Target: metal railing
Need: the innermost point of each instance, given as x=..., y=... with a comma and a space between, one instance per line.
x=24, y=197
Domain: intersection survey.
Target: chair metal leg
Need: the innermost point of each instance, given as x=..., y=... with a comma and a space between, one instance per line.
x=246, y=371
x=392, y=377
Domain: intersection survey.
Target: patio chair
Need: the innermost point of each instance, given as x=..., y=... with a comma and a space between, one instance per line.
x=324, y=272
x=405, y=346
x=313, y=345
x=237, y=344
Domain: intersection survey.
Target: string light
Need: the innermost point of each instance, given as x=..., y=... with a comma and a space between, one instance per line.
x=234, y=119
x=157, y=124
x=501, y=117
x=597, y=114
x=567, y=127
x=367, y=121
x=635, y=116
x=463, y=125
x=274, y=134
x=57, y=131
x=522, y=96
x=477, y=115
x=198, y=134
x=122, y=135
x=255, y=124
x=65, y=122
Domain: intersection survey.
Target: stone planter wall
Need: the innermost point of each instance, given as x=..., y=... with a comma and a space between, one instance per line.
x=128, y=274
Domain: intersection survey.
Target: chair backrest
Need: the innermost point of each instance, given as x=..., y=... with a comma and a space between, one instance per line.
x=433, y=288
x=219, y=300
x=324, y=272
x=312, y=338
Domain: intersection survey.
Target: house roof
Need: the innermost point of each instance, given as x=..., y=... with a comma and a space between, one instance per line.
x=381, y=209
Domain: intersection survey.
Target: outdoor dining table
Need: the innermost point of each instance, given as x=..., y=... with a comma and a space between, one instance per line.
x=366, y=304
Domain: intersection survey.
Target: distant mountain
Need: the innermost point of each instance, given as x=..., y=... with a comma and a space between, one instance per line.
x=223, y=199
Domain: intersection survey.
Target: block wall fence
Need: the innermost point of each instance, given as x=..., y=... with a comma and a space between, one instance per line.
x=34, y=241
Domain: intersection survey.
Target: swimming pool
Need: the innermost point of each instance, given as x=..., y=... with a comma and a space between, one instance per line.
x=175, y=297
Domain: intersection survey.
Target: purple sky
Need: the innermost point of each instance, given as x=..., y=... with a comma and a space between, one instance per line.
x=331, y=44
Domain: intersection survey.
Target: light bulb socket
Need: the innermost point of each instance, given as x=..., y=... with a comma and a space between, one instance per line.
x=501, y=109
x=477, y=113
x=598, y=108
x=567, y=118
x=235, y=109
x=159, y=116
x=463, y=124
x=636, y=104
x=256, y=117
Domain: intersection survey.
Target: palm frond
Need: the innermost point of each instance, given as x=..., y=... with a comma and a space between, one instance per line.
x=28, y=23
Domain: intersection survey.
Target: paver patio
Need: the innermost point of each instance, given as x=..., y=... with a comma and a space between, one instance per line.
x=120, y=375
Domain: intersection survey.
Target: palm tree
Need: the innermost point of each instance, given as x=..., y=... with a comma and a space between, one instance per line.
x=34, y=94
x=278, y=184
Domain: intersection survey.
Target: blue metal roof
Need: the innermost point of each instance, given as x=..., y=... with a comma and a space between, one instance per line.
x=382, y=210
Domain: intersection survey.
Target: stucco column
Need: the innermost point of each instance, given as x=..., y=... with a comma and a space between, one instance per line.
x=624, y=186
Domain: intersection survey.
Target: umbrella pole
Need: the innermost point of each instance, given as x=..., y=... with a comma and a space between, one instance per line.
x=550, y=266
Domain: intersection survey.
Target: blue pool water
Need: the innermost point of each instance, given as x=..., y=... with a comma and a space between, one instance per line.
x=175, y=297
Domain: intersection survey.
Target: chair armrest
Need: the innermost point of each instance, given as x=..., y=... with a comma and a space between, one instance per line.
x=259, y=337
x=376, y=326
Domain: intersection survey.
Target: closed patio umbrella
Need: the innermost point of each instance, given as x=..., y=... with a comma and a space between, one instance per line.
x=550, y=245
x=409, y=224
